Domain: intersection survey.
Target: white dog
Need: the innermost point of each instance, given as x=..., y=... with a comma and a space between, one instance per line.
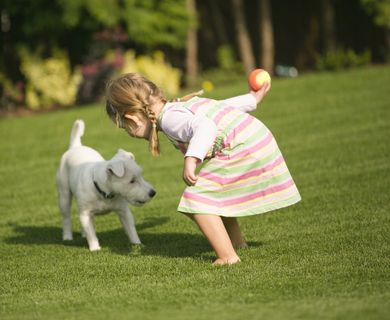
x=99, y=187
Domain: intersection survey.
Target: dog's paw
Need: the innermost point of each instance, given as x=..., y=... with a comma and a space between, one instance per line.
x=67, y=237
x=94, y=248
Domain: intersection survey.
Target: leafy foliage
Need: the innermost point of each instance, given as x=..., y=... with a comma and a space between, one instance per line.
x=227, y=60
x=107, y=12
x=11, y=93
x=148, y=22
x=49, y=81
x=154, y=68
x=380, y=9
x=343, y=59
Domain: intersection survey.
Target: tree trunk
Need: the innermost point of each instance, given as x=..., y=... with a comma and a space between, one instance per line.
x=243, y=39
x=328, y=26
x=191, y=45
x=266, y=37
x=387, y=44
x=218, y=23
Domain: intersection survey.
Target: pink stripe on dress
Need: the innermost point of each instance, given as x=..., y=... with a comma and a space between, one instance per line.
x=250, y=150
x=196, y=106
x=249, y=174
x=272, y=198
x=222, y=113
x=242, y=126
x=240, y=200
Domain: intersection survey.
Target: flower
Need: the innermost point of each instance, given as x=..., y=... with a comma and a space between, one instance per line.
x=207, y=85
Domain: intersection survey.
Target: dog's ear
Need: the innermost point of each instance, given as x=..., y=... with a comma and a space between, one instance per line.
x=116, y=168
x=131, y=155
x=124, y=152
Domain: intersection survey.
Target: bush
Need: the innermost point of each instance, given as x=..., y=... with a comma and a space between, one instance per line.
x=227, y=60
x=343, y=59
x=156, y=69
x=48, y=81
x=10, y=95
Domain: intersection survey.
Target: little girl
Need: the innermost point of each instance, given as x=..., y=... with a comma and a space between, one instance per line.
x=243, y=171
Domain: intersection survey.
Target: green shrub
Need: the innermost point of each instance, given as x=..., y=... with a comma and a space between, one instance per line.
x=9, y=91
x=343, y=59
x=49, y=81
x=227, y=59
x=156, y=69
x=225, y=56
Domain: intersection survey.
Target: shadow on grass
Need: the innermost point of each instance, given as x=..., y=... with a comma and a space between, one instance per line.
x=154, y=244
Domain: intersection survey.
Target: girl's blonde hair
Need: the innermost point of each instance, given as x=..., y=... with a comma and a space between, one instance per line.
x=133, y=94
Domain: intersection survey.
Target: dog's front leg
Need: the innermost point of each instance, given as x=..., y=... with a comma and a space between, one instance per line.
x=128, y=224
x=89, y=230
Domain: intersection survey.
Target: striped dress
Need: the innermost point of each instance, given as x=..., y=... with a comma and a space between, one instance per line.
x=244, y=172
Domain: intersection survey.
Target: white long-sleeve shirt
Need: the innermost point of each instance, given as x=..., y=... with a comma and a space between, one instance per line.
x=181, y=124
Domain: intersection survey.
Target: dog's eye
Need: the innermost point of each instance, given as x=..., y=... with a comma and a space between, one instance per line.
x=132, y=180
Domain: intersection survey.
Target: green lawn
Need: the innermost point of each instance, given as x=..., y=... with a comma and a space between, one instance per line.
x=326, y=258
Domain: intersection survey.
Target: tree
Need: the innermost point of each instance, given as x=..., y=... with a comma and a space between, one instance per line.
x=148, y=22
x=266, y=37
x=328, y=26
x=217, y=20
x=191, y=45
x=85, y=29
x=71, y=24
x=380, y=9
x=242, y=34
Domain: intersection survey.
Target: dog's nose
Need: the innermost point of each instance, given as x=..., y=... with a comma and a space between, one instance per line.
x=152, y=193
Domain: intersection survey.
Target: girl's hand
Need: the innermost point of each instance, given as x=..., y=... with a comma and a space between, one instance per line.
x=189, y=176
x=259, y=95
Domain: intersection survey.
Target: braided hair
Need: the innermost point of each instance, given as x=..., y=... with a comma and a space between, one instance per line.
x=134, y=94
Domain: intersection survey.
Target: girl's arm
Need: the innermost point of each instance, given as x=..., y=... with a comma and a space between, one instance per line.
x=189, y=176
x=248, y=102
x=245, y=102
x=197, y=130
x=201, y=136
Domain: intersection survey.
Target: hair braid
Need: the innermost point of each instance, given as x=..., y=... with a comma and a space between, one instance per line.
x=132, y=93
x=154, y=146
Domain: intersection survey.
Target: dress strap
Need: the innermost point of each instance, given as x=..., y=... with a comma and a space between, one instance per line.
x=185, y=104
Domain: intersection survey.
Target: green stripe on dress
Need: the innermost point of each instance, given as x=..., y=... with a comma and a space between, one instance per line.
x=245, y=212
x=241, y=191
x=243, y=168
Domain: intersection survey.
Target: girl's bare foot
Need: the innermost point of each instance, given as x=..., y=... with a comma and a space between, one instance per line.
x=221, y=262
x=215, y=232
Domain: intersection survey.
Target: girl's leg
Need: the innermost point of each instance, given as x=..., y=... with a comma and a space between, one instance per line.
x=233, y=229
x=215, y=232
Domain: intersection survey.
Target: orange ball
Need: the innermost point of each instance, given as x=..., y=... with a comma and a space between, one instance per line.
x=257, y=78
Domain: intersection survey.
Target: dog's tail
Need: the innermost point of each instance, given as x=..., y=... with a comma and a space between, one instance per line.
x=77, y=133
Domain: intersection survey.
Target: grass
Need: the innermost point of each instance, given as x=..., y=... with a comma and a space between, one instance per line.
x=326, y=258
